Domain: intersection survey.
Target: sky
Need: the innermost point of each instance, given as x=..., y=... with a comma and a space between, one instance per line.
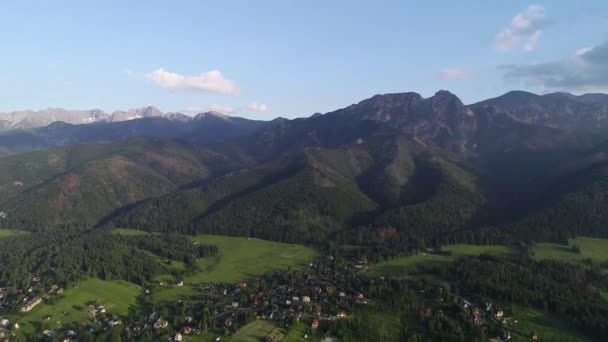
x=263, y=59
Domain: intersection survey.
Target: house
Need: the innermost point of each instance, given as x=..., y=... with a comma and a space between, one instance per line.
x=315, y=324
x=160, y=324
x=180, y=283
x=178, y=337
x=187, y=330
x=36, y=279
x=499, y=314
x=475, y=316
x=317, y=310
x=228, y=322
x=31, y=304
x=4, y=322
x=535, y=335
x=341, y=314
x=306, y=299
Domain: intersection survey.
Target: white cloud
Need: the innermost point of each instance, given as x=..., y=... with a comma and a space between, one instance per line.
x=585, y=70
x=212, y=108
x=129, y=72
x=454, y=74
x=525, y=30
x=257, y=107
x=211, y=81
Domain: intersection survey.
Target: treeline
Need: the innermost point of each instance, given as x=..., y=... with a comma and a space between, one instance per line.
x=64, y=257
x=568, y=290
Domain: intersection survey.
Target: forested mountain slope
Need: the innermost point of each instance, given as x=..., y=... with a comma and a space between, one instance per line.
x=78, y=185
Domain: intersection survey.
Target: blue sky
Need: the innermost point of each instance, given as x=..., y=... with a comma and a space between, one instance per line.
x=262, y=59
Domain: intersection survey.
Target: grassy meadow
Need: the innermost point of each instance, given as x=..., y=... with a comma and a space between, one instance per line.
x=590, y=248
x=117, y=296
x=9, y=232
x=408, y=266
x=548, y=327
x=237, y=259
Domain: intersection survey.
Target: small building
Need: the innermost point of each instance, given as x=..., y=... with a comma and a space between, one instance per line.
x=315, y=324
x=499, y=314
x=228, y=322
x=187, y=330
x=306, y=299
x=535, y=335
x=178, y=337
x=31, y=304
x=160, y=324
x=475, y=316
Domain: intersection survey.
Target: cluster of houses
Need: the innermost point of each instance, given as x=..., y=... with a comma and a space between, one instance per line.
x=496, y=315
x=159, y=324
x=282, y=303
x=5, y=328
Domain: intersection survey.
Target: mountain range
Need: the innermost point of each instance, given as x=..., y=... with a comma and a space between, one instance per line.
x=41, y=118
x=520, y=166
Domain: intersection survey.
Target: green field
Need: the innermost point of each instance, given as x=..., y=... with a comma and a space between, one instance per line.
x=549, y=328
x=237, y=259
x=595, y=249
x=242, y=258
x=297, y=331
x=411, y=265
x=254, y=331
x=129, y=232
x=117, y=296
x=8, y=232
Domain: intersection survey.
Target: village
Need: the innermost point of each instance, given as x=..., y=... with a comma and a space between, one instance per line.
x=321, y=291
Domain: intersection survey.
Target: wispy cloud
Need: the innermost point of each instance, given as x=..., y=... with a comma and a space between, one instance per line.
x=257, y=107
x=525, y=30
x=585, y=70
x=455, y=74
x=129, y=72
x=211, y=81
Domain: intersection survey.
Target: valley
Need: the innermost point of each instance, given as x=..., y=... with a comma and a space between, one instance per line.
x=401, y=223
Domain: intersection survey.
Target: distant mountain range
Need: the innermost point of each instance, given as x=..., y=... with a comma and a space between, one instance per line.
x=516, y=166
x=202, y=128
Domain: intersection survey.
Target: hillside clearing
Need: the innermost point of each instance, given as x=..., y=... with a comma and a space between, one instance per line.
x=116, y=296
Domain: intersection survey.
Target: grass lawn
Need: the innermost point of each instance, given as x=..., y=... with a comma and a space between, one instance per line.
x=297, y=331
x=242, y=258
x=117, y=296
x=254, y=331
x=596, y=249
x=237, y=259
x=409, y=266
x=9, y=232
x=129, y=232
x=549, y=328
